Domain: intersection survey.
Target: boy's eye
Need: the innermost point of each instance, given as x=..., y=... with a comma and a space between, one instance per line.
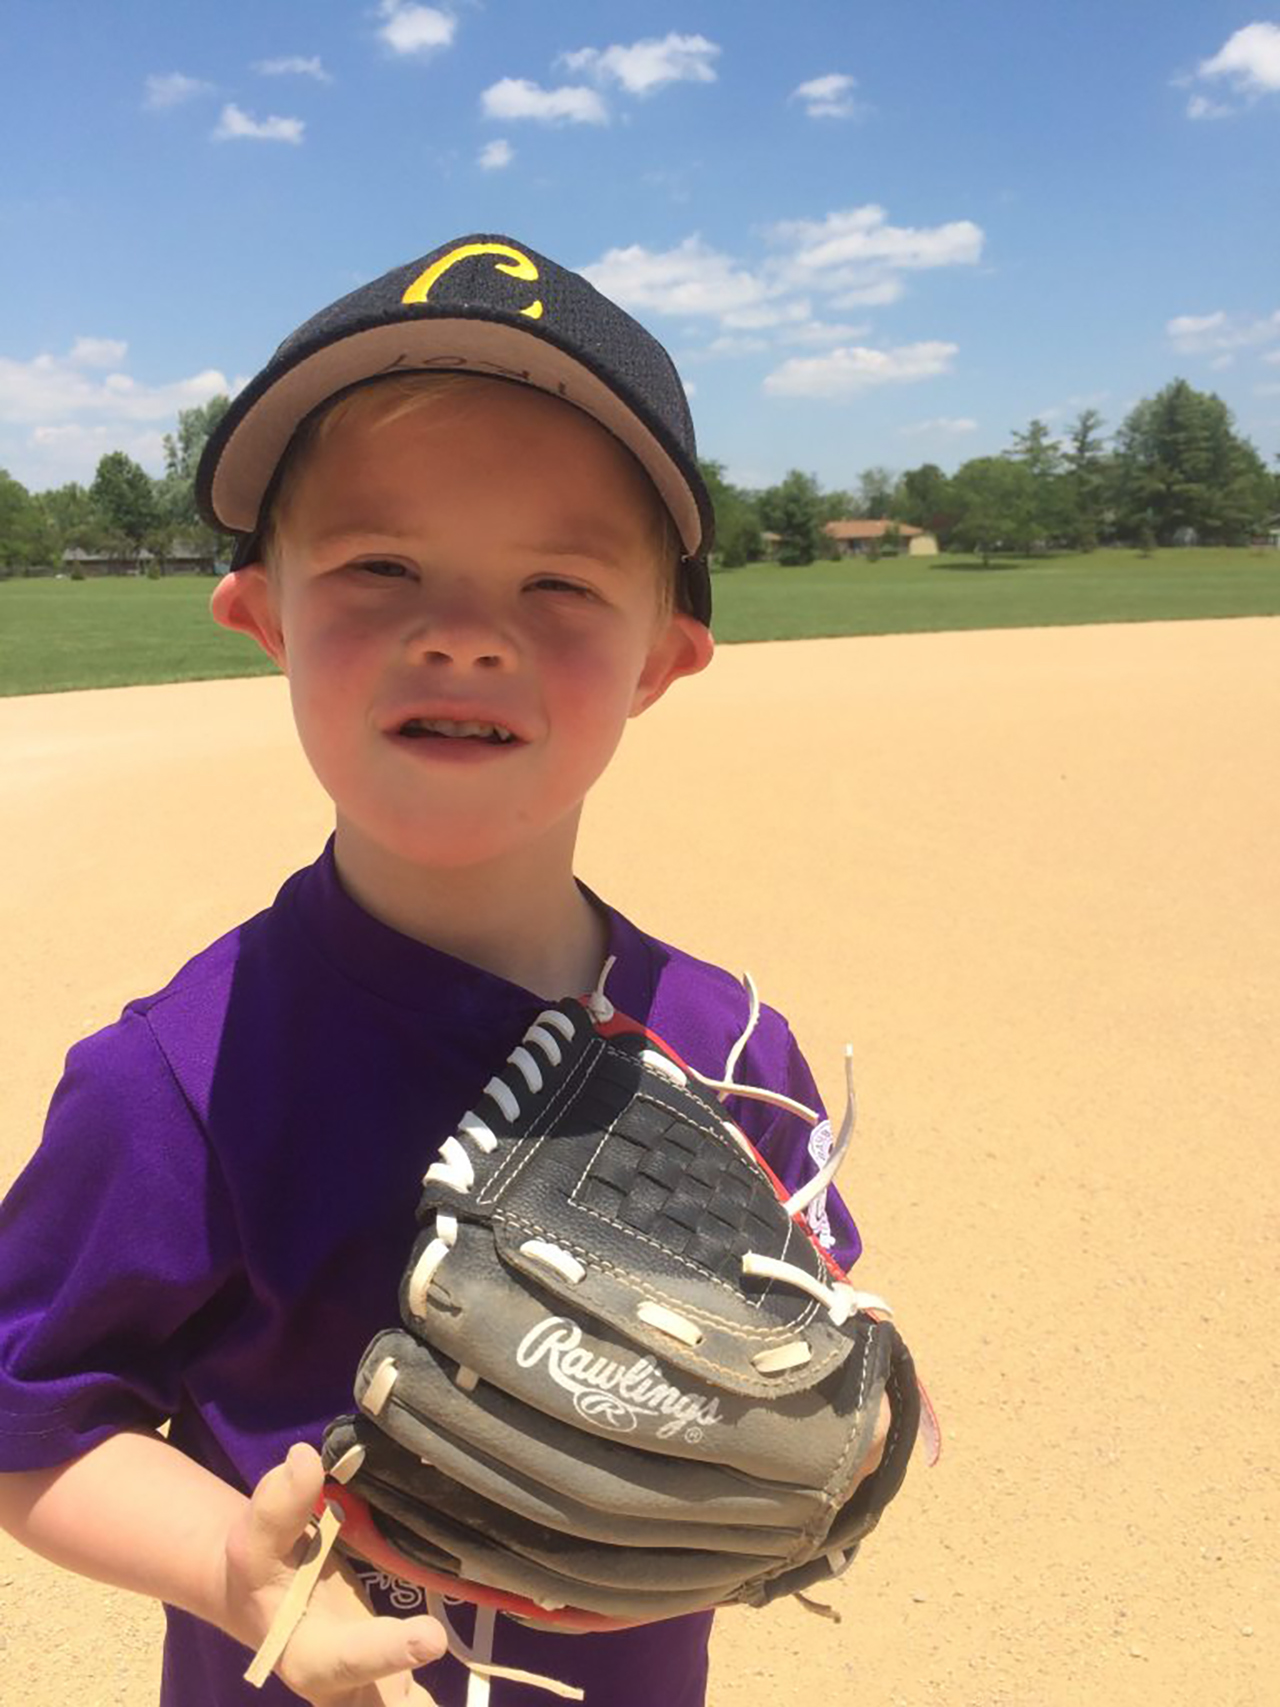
x=381, y=566
x=554, y=584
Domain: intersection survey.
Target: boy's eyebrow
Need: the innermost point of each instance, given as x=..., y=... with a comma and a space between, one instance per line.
x=602, y=545
x=355, y=534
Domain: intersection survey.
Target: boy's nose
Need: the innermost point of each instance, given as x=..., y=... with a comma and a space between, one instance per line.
x=464, y=631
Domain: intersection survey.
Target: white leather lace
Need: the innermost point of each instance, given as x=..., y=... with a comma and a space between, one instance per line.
x=455, y=1169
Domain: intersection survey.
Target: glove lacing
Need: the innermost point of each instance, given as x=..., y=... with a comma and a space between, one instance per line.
x=454, y=1168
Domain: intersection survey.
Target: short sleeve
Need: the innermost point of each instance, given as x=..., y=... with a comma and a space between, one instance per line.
x=116, y=1247
x=795, y=1148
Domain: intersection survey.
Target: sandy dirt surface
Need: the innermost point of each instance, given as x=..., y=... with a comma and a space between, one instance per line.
x=1033, y=877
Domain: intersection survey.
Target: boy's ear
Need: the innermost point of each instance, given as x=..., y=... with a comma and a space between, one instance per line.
x=245, y=601
x=682, y=648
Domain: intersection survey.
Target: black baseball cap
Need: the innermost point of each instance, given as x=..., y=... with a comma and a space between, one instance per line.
x=487, y=305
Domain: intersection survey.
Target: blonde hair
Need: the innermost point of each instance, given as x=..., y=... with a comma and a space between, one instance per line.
x=382, y=401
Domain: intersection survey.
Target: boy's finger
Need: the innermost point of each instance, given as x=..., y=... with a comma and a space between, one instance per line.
x=283, y=1502
x=347, y=1656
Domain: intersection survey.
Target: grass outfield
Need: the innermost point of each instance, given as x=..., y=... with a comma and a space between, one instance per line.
x=56, y=635
x=914, y=595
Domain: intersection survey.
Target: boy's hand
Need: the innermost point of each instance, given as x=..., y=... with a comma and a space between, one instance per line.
x=871, y=1463
x=342, y=1654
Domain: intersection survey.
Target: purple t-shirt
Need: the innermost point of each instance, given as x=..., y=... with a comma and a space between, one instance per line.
x=216, y=1221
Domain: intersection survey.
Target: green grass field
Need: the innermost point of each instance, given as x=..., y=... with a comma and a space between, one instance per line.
x=911, y=595
x=56, y=635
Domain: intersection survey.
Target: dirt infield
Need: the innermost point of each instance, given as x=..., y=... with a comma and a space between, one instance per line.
x=1033, y=877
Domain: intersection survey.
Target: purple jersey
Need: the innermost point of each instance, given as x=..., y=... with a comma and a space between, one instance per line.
x=216, y=1221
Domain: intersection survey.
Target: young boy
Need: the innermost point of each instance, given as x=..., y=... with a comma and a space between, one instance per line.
x=473, y=536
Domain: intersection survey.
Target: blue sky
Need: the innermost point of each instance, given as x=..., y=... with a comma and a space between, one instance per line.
x=869, y=232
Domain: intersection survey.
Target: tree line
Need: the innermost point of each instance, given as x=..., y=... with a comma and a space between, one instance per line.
x=1175, y=470
x=123, y=512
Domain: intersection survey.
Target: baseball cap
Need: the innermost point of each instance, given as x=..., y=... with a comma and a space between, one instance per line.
x=482, y=304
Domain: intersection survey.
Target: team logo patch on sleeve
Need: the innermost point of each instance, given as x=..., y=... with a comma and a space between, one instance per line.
x=816, y=1214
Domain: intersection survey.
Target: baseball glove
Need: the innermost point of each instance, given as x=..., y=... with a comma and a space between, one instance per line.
x=629, y=1383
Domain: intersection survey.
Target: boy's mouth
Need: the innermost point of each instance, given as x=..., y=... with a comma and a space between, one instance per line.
x=449, y=729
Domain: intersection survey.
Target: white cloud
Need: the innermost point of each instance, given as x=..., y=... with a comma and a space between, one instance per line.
x=1220, y=333
x=98, y=352
x=1272, y=356
x=293, y=65
x=1247, y=63
x=941, y=426
x=1201, y=107
x=768, y=315
x=730, y=344
x=48, y=389
x=647, y=65
x=495, y=155
x=59, y=413
x=874, y=295
x=172, y=89
x=689, y=279
x=821, y=332
x=852, y=259
x=860, y=237
x=829, y=97
x=852, y=368
x=235, y=125
x=857, y=258
x=51, y=456
x=518, y=98
x=420, y=30
x=1187, y=328
x=1249, y=60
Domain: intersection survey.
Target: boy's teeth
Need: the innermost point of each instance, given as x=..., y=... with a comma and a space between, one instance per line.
x=455, y=730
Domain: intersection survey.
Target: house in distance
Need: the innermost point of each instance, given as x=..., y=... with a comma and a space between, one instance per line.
x=858, y=538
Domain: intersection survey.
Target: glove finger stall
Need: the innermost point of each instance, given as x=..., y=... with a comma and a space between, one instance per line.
x=484, y=1543
x=547, y=1470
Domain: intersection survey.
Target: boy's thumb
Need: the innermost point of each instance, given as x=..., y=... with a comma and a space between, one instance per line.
x=283, y=1502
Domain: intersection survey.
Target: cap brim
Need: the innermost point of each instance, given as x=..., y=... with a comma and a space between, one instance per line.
x=256, y=443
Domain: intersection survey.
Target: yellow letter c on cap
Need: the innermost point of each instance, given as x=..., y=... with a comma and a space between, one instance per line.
x=517, y=265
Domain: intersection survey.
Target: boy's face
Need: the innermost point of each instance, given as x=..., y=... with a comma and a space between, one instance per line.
x=488, y=560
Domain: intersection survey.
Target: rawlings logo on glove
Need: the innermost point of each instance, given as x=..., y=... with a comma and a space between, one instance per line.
x=613, y=1393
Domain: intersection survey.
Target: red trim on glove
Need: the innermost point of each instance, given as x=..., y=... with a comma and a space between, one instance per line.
x=361, y=1534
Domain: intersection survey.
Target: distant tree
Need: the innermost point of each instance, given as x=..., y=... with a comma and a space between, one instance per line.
x=996, y=501
x=876, y=487
x=793, y=509
x=1181, y=464
x=1036, y=447
x=176, y=489
x=837, y=505
x=1086, y=483
x=1036, y=450
x=123, y=492
x=925, y=498
x=26, y=539
x=73, y=517
x=738, y=538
